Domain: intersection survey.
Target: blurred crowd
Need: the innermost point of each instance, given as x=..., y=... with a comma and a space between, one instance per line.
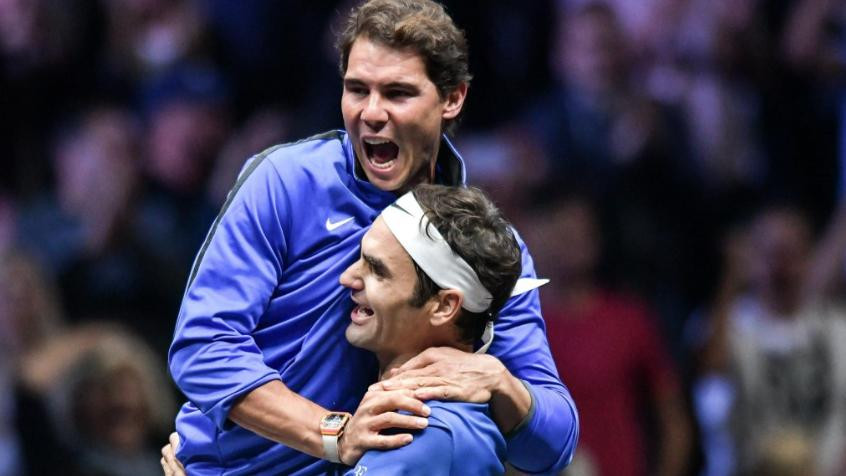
x=677, y=167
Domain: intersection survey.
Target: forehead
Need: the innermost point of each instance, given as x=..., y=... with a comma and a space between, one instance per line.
x=374, y=61
x=380, y=243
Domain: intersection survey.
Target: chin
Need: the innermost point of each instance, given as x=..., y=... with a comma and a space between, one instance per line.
x=356, y=337
x=388, y=184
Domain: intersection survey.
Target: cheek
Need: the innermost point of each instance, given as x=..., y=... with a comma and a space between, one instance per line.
x=349, y=111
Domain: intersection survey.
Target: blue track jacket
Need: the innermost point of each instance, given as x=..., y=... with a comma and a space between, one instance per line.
x=263, y=303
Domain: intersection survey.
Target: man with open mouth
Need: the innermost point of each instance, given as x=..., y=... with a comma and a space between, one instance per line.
x=434, y=270
x=259, y=347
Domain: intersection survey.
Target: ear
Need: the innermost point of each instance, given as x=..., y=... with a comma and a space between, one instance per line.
x=455, y=101
x=446, y=306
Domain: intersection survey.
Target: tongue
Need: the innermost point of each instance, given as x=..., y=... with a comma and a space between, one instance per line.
x=383, y=153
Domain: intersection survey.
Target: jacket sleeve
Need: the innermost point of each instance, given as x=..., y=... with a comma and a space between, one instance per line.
x=546, y=440
x=213, y=358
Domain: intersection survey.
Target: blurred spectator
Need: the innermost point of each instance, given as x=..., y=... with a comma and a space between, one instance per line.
x=814, y=37
x=40, y=41
x=187, y=122
x=607, y=349
x=596, y=122
x=29, y=315
x=279, y=54
x=146, y=37
x=261, y=130
x=814, y=44
x=84, y=234
x=773, y=370
x=108, y=399
x=513, y=65
x=676, y=115
x=507, y=164
x=603, y=135
x=708, y=67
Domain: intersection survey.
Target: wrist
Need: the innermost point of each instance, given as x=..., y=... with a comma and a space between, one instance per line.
x=504, y=383
x=341, y=448
x=512, y=404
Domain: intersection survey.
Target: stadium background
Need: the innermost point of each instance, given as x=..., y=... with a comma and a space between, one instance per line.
x=633, y=145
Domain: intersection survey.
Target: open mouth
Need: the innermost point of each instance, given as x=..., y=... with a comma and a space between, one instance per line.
x=381, y=153
x=360, y=314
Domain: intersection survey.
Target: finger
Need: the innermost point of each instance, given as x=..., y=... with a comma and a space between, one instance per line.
x=415, y=382
x=388, y=442
x=376, y=387
x=166, y=468
x=382, y=402
x=423, y=359
x=381, y=399
x=174, y=440
x=168, y=455
x=427, y=371
x=398, y=420
x=448, y=392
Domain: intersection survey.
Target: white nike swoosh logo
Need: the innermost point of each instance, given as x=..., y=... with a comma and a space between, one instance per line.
x=331, y=226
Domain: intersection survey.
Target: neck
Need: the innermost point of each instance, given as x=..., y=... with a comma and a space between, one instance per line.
x=388, y=363
x=423, y=176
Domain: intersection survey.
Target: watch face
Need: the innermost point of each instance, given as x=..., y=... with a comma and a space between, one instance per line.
x=333, y=421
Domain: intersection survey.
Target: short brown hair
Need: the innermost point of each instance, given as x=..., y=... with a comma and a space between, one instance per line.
x=478, y=232
x=421, y=25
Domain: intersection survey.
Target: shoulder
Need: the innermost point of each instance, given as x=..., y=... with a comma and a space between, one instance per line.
x=455, y=415
x=305, y=165
x=315, y=152
x=456, y=431
x=415, y=458
x=474, y=436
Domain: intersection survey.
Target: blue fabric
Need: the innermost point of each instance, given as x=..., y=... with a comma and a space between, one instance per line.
x=461, y=439
x=263, y=303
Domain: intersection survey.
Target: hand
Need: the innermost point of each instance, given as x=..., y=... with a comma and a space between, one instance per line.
x=443, y=373
x=170, y=465
x=378, y=411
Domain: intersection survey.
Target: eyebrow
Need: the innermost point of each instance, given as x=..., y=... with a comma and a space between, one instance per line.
x=377, y=266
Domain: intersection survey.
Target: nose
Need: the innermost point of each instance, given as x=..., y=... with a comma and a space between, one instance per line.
x=350, y=278
x=374, y=114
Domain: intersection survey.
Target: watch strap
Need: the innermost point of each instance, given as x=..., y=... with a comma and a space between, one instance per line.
x=330, y=448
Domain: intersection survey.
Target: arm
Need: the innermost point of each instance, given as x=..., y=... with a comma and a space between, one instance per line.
x=214, y=359
x=544, y=437
x=276, y=413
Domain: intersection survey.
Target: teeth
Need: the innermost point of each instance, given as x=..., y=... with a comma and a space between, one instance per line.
x=376, y=141
x=386, y=165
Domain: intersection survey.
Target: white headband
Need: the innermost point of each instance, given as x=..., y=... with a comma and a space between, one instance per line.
x=408, y=223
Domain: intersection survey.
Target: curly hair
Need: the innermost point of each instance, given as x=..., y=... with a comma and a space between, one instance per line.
x=477, y=231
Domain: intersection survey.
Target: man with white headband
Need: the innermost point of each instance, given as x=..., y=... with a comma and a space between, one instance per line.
x=259, y=348
x=434, y=270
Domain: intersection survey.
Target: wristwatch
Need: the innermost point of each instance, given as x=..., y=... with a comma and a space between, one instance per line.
x=331, y=428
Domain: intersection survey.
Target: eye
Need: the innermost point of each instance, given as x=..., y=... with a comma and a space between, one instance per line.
x=398, y=94
x=356, y=90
